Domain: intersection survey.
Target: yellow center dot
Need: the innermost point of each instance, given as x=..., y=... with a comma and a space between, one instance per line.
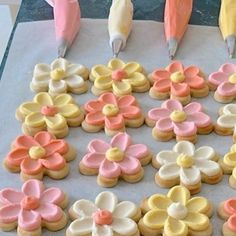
x=37, y=152
x=114, y=154
x=110, y=110
x=178, y=116
x=177, y=77
x=232, y=78
x=57, y=74
x=185, y=161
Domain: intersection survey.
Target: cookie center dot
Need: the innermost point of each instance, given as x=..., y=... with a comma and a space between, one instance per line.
x=232, y=78
x=110, y=110
x=177, y=211
x=30, y=203
x=185, y=161
x=119, y=74
x=178, y=116
x=57, y=74
x=103, y=217
x=114, y=154
x=48, y=110
x=37, y=152
x=177, y=77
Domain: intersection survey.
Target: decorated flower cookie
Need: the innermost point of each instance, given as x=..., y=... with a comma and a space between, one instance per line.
x=178, y=83
x=118, y=159
x=187, y=166
x=54, y=114
x=176, y=214
x=60, y=77
x=224, y=83
x=32, y=208
x=112, y=114
x=227, y=211
x=225, y=124
x=40, y=155
x=104, y=217
x=172, y=119
x=119, y=78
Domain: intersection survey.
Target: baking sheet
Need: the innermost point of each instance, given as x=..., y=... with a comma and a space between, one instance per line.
x=34, y=42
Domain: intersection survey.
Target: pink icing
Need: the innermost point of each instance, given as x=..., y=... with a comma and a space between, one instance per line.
x=103, y=217
x=230, y=206
x=227, y=89
x=119, y=74
x=30, y=203
x=49, y=110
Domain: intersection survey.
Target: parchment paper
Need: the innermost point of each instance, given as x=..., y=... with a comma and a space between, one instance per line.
x=34, y=42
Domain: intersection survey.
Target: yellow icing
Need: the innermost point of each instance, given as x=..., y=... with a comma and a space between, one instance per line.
x=155, y=219
x=101, y=71
x=230, y=159
x=57, y=74
x=234, y=173
x=179, y=194
x=116, y=64
x=35, y=120
x=175, y=227
x=177, y=77
x=178, y=116
x=114, y=154
x=110, y=110
x=196, y=221
x=185, y=161
x=37, y=152
x=233, y=148
x=197, y=204
x=158, y=201
x=232, y=78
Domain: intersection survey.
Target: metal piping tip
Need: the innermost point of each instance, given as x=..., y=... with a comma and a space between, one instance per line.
x=116, y=47
x=172, y=47
x=230, y=40
x=63, y=45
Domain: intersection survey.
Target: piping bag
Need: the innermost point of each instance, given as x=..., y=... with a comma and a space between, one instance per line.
x=67, y=23
x=177, y=15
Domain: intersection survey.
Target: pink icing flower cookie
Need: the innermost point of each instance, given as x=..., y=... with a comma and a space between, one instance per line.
x=223, y=82
x=32, y=208
x=227, y=211
x=112, y=114
x=40, y=155
x=118, y=159
x=172, y=119
x=178, y=83
x=106, y=216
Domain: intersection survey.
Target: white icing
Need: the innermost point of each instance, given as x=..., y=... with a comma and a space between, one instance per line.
x=106, y=200
x=229, y=109
x=177, y=211
x=190, y=176
x=125, y=209
x=84, y=208
x=209, y=168
x=227, y=121
x=184, y=147
x=165, y=157
x=169, y=171
x=204, y=152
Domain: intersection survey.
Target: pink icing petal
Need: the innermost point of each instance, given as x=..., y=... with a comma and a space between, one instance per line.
x=180, y=89
x=136, y=150
x=185, y=128
x=175, y=66
x=109, y=169
x=199, y=118
x=108, y=98
x=33, y=188
x=191, y=71
x=232, y=222
x=162, y=85
x=56, y=146
x=93, y=160
x=192, y=108
x=228, y=68
x=49, y=212
x=158, y=113
x=164, y=125
x=121, y=140
x=43, y=138
x=172, y=105
x=29, y=220
x=52, y=195
x=195, y=82
x=25, y=141
x=130, y=112
x=126, y=101
x=54, y=162
x=114, y=122
x=10, y=196
x=98, y=145
x=30, y=166
x=94, y=105
x=130, y=166
x=9, y=213
x=227, y=89
x=161, y=74
x=16, y=156
x=95, y=118
x=230, y=206
x=218, y=78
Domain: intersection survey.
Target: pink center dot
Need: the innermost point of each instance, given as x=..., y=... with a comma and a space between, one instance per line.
x=103, y=217
x=48, y=110
x=119, y=74
x=30, y=203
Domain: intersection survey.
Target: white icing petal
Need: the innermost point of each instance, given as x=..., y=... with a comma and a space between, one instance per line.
x=81, y=226
x=59, y=63
x=125, y=209
x=124, y=226
x=74, y=69
x=57, y=86
x=41, y=70
x=41, y=82
x=190, y=176
x=169, y=171
x=84, y=208
x=209, y=168
x=106, y=200
x=102, y=230
x=74, y=81
x=165, y=157
x=205, y=152
x=229, y=109
x=227, y=121
x=184, y=147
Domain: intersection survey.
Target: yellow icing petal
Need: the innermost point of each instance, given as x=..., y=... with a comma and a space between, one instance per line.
x=233, y=148
x=29, y=107
x=115, y=64
x=137, y=79
x=55, y=122
x=43, y=99
x=62, y=99
x=132, y=67
x=155, y=219
x=234, y=173
x=175, y=227
x=179, y=194
x=196, y=221
x=121, y=87
x=103, y=82
x=100, y=71
x=198, y=204
x=69, y=110
x=35, y=120
x=230, y=159
x=158, y=201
